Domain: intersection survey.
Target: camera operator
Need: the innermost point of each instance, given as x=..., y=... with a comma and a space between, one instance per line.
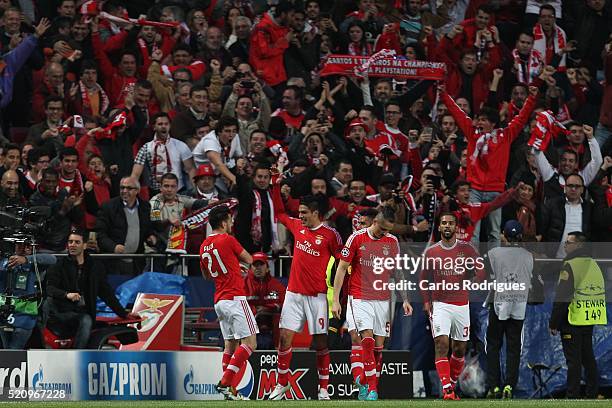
x=74, y=284
x=18, y=273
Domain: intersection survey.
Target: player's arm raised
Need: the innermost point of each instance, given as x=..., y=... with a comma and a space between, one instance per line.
x=338, y=282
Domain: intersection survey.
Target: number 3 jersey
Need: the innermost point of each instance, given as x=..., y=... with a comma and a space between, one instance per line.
x=219, y=260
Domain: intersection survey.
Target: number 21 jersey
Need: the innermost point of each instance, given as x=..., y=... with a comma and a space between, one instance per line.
x=219, y=260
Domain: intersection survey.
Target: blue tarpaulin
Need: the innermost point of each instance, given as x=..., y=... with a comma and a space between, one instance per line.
x=148, y=282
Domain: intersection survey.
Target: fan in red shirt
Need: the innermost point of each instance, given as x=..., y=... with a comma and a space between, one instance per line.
x=220, y=256
x=368, y=304
x=306, y=297
x=447, y=265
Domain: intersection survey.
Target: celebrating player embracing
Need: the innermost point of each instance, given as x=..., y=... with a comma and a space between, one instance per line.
x=220, y=256
x=368, y=304
x=306, y=298
x=446, y=302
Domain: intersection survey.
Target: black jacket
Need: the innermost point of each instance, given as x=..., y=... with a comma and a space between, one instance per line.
x=551, y=220
x=111, y=224
x=63, y=278
x=244, y=217
x=58, y=225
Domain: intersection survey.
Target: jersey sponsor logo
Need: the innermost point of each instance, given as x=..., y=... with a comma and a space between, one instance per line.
x=267, y=382
x=307, y=247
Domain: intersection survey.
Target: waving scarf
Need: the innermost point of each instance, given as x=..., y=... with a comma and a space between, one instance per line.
x=161, y=158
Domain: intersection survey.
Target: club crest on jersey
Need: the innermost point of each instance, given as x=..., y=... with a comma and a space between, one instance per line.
x=319, y=239
x=461, y=254
x=385, y=250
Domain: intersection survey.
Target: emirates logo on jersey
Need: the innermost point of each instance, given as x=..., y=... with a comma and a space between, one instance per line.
x=307, y=247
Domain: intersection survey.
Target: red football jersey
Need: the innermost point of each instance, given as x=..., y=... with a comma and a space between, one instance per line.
x=219, y=257
x=312, y=251
x=360, y=251
x=447, y=268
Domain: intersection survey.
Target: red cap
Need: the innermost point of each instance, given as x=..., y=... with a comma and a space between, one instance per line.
x=260, y=257
x=205, y=170
x=354, y=123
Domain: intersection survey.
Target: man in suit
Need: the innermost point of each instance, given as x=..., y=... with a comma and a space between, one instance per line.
x=124, y=225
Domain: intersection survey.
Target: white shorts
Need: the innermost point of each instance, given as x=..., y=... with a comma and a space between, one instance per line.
x=236, y=318
x=350, y=317
x=370, y=315
x=300, y=308
x=450, y=320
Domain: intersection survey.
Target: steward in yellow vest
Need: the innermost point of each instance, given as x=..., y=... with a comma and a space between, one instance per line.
x=580, y=303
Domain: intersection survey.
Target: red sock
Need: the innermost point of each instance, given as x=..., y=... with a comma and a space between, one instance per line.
x=323, y=368
x=456, y=366
x=378, y=358
x=443, y=368
x=227, y=356
x=369, y=362
x=241, y=355
x=356, y=363
x=284, y=360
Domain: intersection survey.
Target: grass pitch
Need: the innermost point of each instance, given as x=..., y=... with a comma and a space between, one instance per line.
x=416, y=403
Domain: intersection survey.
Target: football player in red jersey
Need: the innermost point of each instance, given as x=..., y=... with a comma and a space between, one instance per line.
x=306, y=296
x=368, y=304
x=220, y=256
x=446, y=301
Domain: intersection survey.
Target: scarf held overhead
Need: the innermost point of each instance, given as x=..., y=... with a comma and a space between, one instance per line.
x=385, y=66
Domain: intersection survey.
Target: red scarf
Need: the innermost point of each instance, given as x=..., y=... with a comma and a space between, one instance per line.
x=74, y=186
x=104, y=102
x=144, y=49
x=534, y=66
x=540, y=45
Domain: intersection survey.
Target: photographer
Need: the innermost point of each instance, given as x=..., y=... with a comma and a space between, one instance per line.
x=18, y=275
x=74, y=284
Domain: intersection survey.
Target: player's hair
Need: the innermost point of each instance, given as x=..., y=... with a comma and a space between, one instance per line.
x=315, y=203
x=218, y=215
x=448, y=214
x=369, y=212
x=169, y=176
x=387, y=214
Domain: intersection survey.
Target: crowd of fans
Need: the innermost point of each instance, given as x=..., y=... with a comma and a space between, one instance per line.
x=123, y=128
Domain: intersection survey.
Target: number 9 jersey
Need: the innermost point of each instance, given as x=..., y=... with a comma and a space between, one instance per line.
x=219, y=261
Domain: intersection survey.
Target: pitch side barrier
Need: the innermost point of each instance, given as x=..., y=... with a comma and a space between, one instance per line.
x=75, y=375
